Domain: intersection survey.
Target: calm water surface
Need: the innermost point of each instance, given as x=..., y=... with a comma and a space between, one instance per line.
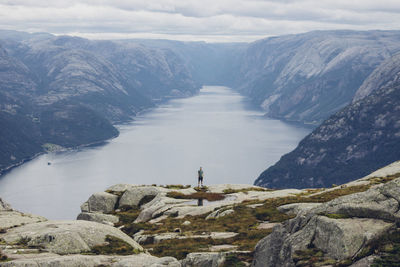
x=215, y=129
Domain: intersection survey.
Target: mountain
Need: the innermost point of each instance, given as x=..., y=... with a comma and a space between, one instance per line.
x=358, y=139
x=308, y=77
x=68, y=91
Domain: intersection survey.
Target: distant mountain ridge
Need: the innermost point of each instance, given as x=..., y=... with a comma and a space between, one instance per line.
x=362, y=137
x=308, y=77
x=48, y=80
x=69, y=91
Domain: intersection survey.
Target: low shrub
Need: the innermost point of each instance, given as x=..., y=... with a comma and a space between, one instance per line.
x=114, y=245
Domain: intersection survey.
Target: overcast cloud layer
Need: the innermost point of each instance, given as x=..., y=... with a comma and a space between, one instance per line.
x=208, y=20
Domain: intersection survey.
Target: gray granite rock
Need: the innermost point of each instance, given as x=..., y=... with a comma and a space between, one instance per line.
x=365, y=262
x=133, y=196
x=295, y=208
x=139, y=260
x=100, y=202
x=65, y=237
x=4, y=205
x=206, y=259
x=10, y=219
x=370, y=215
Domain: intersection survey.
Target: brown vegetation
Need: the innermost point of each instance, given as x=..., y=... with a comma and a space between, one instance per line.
x=114, y=245
x=198, y=195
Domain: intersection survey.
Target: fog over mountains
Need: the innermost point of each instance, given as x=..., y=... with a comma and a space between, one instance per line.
x=70, y=91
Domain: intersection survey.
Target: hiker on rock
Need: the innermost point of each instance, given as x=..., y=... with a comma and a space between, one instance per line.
x=200, y=173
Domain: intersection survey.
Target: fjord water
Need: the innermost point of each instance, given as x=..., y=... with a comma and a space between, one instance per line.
x=215, y=129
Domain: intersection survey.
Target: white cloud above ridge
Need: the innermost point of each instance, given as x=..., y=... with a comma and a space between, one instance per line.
x=209, y=20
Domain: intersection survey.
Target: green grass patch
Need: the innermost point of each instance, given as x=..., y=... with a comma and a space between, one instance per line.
x=114, y=245
x=201, y=188
x=330, y=195
x=179, y=248
x=312, y=257
x=388, y=247
x=127, y=216
x=383, y=180
x=236, y=260
x=197, y=195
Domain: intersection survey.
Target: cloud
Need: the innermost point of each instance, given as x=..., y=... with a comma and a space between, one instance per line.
x=211, y=20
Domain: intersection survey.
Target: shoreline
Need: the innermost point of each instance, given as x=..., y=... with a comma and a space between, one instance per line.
x=9, y=168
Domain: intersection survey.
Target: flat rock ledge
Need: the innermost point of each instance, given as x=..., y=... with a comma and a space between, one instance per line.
x=65, y=237
x=140, y=260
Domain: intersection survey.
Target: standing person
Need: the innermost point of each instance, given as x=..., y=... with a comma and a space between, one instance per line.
x=200, y=173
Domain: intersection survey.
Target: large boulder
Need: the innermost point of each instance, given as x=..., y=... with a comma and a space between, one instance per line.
x=132, y=197
x=65, y=237
x=100, y=202
x=157, y=207
x=10, y=219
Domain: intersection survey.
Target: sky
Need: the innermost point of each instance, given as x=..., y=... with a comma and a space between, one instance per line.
x=196, y=20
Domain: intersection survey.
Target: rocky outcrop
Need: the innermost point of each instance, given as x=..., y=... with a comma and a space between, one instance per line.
x=133, y=197
x=4, y=205
x=10, y=219
x=100, y=202
x=30, y=240
x=65, y=237
x=340, y=228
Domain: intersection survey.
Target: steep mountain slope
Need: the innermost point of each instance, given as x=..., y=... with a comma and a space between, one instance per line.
x=362, y=137
x=69, y=91
x=307, y=77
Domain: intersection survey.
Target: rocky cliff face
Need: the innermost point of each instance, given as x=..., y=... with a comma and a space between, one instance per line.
x=362, y=137
x=307, y=77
